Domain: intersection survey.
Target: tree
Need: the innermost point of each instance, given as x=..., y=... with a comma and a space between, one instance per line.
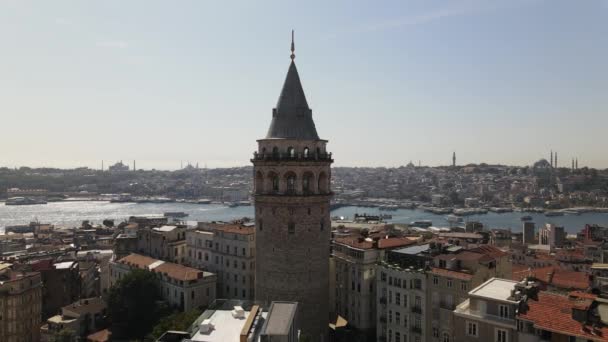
x=179, y=321
x=64, y=335
x=134, y=305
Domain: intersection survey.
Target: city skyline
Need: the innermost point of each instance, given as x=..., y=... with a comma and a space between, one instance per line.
x=82, y=84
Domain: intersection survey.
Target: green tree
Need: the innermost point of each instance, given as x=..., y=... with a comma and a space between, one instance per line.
x=134, y=305
x=179, y=321
x=64, y=335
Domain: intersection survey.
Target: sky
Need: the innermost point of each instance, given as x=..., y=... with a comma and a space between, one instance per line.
x=163, y=82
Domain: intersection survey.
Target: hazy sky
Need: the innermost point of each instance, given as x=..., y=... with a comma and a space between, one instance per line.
x=388, y=81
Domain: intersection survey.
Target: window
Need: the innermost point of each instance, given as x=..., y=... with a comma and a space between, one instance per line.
x=275, y=151
x=390, y=335
x=397, y=317
x=291, y=183
x=450, y=282
x=390, y=316
x=306, y=152
x=417, y=322
x=244, y=251
x=503, y=311
x=435, y=280
x=260, y=225
x=464, y=286
x=244, y=293
x=435, y=332
x=275, y=183
x=390, y=297
x=472, y=329
x=291, y=228
x=200, y=255
x=397, y=336
x=446, y=337
x=206, y=256
x=500, y=335
x=322, y=225
x=398, y=298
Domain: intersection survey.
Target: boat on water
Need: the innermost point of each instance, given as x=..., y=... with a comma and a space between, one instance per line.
x=122, y=198
x=175, y=214
x=554, y=213
x=572, y=212
x=203, y=201
x=421, y=223
x=24, y=201
x=454, y=219
x=231, y=204
x=526, y=218
x=367, y=218
x=386, y=216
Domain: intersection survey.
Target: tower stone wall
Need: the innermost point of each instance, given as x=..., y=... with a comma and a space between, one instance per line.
x=292, y=178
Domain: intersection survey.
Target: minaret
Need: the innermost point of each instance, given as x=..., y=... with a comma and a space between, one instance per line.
x=292, y=194
x=555, y=161
x=552, y=158
x=454, y=159
x=572, y=164
x=134, y=169
x=576, y=164
x=102, y=165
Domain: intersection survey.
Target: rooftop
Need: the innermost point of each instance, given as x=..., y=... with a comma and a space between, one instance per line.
x=225, y=327
x=165, y=229
x=553, y=312
x=280, y=318
x=495, y=289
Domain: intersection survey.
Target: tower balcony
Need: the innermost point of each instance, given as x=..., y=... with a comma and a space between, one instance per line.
x=323, y=156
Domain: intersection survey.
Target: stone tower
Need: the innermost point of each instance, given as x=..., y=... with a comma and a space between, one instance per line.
x=292, y=194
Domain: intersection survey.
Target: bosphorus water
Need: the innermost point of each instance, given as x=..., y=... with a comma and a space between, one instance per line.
x=71, y=214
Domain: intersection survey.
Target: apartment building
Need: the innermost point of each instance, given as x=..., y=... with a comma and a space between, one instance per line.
x=165, y=243
x=20, y=305
x=489, y=314
x=182, y=287
x=227, y=250
x=355, y=258
x=452, y=274
x=401, y=295
x=84, y=317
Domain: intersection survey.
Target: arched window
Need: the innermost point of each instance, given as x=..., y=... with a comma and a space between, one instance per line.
x=322, y=183
x=305, y=152
x=264, y=152
x=291, y=182
x=307, y=182
x=272, y=182
x=275, y=183
x=259, y=183
x=275, y=152
x=318, y=152
x=291, y=152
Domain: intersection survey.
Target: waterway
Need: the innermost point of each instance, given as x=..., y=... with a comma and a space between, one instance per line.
x=71, y=214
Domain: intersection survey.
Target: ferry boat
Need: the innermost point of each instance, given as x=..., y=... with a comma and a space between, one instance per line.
x=23, y=201
x=526, y=218
x=367, y=218
x=175, y=214
x=454, y=219
x=122, y=198
x=203, y=201
x=421, y=223
x=554, y=213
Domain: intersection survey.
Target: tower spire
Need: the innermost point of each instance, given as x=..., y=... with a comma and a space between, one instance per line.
x=293, y=47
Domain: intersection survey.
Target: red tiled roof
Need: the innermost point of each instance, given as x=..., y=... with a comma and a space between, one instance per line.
x=551, y=275
x=570, y=279
x=490, y=251
x=451, y=274
x=581, y=295
x=137, y=260
x=235, y=229
x=553, y=312
x=179, y=272
x=356, y=242
x=100, y=336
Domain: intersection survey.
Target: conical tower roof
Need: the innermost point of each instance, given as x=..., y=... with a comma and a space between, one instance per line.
x=292, y=118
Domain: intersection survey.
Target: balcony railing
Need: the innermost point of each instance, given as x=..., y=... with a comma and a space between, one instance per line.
x=296, y=156
x=417, y=309
x=416, y=330
x=382, y=300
